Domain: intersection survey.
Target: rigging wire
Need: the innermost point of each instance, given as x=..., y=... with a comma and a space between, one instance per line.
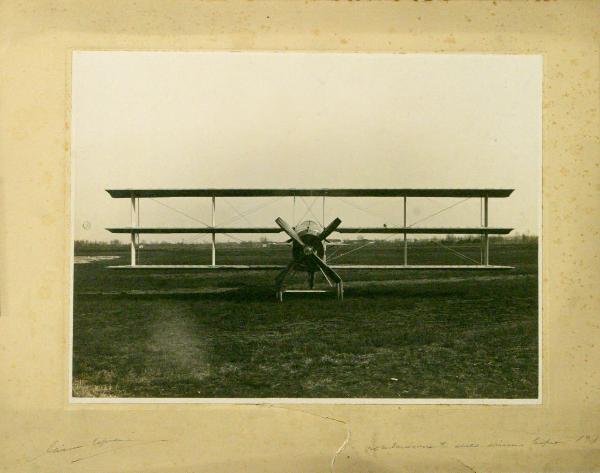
x=239, y=216
x=439, y=212
x=438, y=243
x=336, y=251
x=184, y=214
x=254, y=209
x=457, y=253
x=334, y=257
x=237, y=211
x=244, y=216
x=309, y=209
x=366, y=210
x=180, y=212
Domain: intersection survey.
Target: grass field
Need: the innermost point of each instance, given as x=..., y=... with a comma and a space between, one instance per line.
x=397, y=334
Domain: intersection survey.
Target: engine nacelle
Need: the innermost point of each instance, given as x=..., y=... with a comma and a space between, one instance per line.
x=309, y=232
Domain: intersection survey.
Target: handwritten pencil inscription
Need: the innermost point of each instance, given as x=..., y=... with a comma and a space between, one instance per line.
x=538, y=441
x=98, y=446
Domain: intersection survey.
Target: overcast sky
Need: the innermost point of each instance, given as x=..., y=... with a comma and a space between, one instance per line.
x=163, y=120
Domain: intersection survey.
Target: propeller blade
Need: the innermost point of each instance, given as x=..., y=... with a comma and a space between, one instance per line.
x=329, y=229
x=325, y=276
x=283, y=274
x=289, y=230
x=327, y=271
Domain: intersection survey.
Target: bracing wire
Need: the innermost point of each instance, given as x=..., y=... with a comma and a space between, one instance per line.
x=243, y=215
x=439, y=211
x=366, y=210
x=308, y=209
x=336, y=251
x=335, y=257
x=237, y=211
x=184, y=214
x=253, y=209
x=180, y=212
x=457, y=253
x=240, y=215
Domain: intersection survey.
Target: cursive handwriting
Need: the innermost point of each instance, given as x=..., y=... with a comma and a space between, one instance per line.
x=93, y=448
x=100, y=442
x=591, y=439
x=57, y=447
x=539, y=441
x=545, y=441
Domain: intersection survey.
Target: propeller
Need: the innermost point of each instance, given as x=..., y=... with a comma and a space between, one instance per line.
x=283, y=274
x=327, y=271
x=329, y=229
x=289, y=230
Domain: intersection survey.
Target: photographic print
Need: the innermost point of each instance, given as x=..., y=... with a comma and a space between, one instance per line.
x=306, y=227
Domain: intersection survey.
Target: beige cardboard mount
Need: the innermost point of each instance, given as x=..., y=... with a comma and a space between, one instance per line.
x=41, y=431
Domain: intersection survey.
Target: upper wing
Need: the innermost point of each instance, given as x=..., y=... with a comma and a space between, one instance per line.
x=274, y=192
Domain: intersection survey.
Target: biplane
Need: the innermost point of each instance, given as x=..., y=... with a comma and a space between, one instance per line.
x=309, y=238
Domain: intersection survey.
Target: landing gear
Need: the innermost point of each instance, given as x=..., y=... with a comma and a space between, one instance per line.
x=281, y=290
x=340, y=291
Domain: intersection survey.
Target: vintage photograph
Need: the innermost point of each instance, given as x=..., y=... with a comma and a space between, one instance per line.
x=306, y=227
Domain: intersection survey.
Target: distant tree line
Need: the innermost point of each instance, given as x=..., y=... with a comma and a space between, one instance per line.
x=112, y=245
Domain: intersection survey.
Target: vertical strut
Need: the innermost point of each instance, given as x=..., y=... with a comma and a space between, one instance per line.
x=486, y=237
x=214, y=246
x=405, y=240
x=138, y=236
x=294, y=211
x=324, y=242
x=481, y=245
x=340, y=291
x=134, y=222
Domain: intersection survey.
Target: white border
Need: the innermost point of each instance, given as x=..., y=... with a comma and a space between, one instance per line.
x=300, y=400
x=71, y=243
x=540, y=217
x=341, y=401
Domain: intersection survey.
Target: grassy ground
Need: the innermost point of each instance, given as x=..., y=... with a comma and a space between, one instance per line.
x=397, y=334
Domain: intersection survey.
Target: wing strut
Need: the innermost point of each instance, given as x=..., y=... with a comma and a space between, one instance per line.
x=134, y=224
x=214, y=240
x=405, y=240
x=485, y=238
